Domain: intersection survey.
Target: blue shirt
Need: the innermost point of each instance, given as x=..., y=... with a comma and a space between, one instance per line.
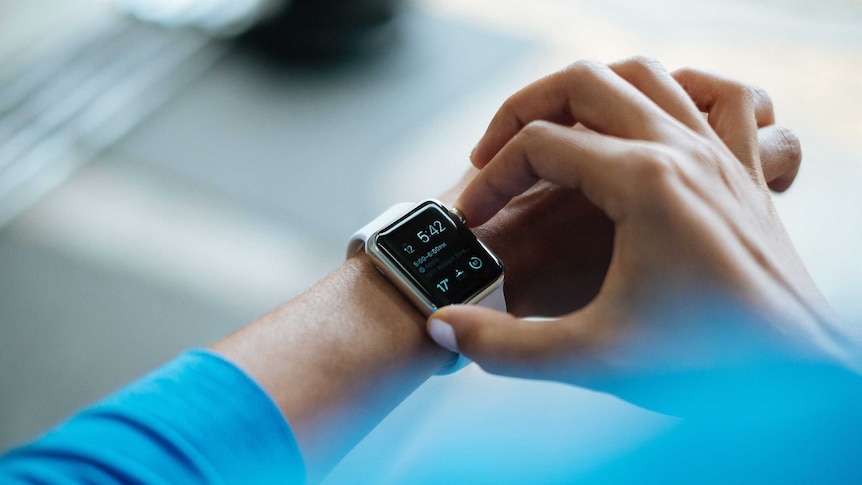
x=198, y=419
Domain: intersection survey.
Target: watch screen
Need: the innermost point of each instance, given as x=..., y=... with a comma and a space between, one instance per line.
x=442, y=257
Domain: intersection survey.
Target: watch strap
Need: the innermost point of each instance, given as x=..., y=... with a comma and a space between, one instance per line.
x=357, y=241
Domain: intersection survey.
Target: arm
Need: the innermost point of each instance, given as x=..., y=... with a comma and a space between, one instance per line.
x=556, y=243
x=339, y=357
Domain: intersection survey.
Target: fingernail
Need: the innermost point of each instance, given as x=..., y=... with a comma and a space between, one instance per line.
x=473, y=151
x=443, y=333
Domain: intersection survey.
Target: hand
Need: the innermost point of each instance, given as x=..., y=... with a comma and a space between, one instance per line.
x=695, y=228
x=548, y=220
x=528, y=233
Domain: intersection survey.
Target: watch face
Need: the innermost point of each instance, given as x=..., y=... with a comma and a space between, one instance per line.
x=442, y=257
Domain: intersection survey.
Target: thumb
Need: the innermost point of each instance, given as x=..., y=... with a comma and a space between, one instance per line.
x=499, y=342
x=780, y=156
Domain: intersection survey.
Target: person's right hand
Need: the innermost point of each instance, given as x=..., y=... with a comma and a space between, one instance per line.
x=535, y=228
x=697, y=240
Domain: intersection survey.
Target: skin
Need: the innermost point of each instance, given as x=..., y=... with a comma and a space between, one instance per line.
x=342, y=355
x=676, y=161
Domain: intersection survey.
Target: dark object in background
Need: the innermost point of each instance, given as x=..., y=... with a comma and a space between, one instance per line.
x=322, y=29
x=287, y=29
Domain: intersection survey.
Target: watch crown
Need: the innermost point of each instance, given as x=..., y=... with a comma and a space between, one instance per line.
x=458, y=215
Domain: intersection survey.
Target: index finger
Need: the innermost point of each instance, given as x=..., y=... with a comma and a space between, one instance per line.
x=570, y=158
x=586, y=92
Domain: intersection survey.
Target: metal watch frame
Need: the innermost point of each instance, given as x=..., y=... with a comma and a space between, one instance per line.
x=401, y=278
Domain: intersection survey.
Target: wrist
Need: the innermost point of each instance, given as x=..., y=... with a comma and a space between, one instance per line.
x=393, y=328
x=338, y=358
x=351, y=326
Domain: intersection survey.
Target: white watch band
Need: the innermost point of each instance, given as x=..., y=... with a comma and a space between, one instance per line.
x=495, y=299
x=357, y=241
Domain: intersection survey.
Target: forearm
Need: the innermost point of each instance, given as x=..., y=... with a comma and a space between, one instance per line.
x=338, y=358
x=335, y=361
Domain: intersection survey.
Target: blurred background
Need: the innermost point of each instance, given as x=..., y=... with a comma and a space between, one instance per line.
x=171, y=169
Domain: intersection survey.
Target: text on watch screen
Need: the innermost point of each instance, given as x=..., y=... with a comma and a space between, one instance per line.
x=443, y=258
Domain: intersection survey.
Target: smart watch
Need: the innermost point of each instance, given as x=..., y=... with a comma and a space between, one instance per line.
x=428, y=253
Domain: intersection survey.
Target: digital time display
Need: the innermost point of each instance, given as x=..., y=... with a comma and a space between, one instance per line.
x=442, y=257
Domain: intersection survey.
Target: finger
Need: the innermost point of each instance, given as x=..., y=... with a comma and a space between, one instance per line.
x=703, y=88
x=651, y=78
x=780, y=156
x=735, y=110
x=569, y=158
x=503, y=344
x=586, y=92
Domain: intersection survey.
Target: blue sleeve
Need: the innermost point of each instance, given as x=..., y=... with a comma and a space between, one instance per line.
x=198, y=419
